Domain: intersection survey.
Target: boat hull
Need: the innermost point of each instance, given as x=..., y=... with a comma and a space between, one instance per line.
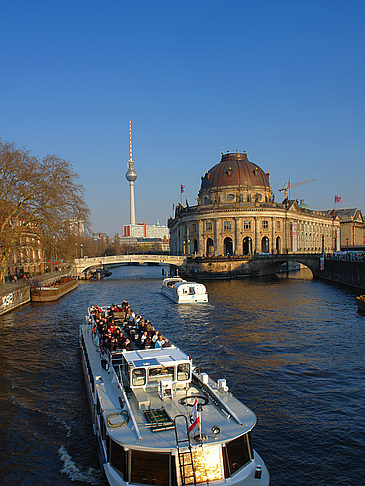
x=52, y=293
x=360, y=304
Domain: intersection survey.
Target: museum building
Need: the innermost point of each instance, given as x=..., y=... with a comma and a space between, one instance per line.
x=237, y=215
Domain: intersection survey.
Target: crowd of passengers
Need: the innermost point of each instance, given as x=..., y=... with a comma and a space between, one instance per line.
x=120, y=328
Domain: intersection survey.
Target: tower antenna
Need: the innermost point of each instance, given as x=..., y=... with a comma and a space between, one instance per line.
x=130, y=139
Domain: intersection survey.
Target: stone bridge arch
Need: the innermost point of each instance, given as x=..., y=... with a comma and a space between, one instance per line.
x=271, y=264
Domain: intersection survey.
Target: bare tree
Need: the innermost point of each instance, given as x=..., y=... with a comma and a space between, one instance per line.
x=37, y=196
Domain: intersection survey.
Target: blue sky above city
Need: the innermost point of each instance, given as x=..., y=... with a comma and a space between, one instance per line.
x=283, y=80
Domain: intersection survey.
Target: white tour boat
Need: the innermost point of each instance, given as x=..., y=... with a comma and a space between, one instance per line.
x=183, y=292
x=159, y=421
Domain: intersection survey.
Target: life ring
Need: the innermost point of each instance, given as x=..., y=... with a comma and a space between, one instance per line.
x=122, y=423
x=202, y=400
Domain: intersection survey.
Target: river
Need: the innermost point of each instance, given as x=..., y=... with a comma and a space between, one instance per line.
x=291, y=349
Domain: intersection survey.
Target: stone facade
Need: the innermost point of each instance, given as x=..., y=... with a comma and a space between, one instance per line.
x=352, y=228
x=236, y=215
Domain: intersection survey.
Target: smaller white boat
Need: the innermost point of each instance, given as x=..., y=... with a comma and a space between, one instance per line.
x=183, y=292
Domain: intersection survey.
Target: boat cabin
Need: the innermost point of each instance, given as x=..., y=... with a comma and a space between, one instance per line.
x=148, y=368
x=171, y=281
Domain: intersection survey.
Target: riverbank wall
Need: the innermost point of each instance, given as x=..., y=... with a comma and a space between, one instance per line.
x=344, y=273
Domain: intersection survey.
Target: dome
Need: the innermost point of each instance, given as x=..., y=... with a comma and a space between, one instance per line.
x=235, y=170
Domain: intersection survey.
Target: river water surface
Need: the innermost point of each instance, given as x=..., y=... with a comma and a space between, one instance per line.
x=292, y=349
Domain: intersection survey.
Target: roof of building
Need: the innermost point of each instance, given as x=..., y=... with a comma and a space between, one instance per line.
x=235, y=169
x=349, y=214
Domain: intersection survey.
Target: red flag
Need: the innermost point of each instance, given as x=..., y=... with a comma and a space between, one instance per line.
x=337, y=199
x=173, y=207
x=194, y=419
x=289, y=182
x=182, y=188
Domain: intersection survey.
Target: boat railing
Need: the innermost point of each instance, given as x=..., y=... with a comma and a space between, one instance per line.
x=127, y=404
x=209, y=390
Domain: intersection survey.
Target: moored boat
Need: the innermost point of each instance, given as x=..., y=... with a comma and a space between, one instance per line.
x=360, y=301
x=50, y=293
x=183, y=292
x=160, y=421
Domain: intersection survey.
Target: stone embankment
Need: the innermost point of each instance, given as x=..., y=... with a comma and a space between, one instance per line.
x=13, y=295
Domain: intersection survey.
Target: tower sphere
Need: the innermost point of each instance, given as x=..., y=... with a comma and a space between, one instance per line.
x=131, y=174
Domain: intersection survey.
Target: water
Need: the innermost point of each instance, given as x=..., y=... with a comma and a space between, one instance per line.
x=292, y=350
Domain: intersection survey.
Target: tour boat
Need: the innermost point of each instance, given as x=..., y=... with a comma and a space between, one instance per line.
x=52, y=292
x=183, y=292
x=361, y=303
x=160, y=421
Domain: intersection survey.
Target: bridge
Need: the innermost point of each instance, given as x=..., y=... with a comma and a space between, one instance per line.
x=247, y=266
x=84, y=264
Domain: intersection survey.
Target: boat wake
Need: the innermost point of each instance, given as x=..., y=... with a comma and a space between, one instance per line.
x=74, y=472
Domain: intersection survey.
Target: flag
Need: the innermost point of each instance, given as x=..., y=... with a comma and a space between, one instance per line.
x=289, y=182
x=337, y=199
x=182, y=188
x=194, y=419
x=173, y=207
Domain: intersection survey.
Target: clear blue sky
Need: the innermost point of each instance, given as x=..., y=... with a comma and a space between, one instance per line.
x=283, y=80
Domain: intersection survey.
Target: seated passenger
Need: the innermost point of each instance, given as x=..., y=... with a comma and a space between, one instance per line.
x=128, y=345
x=166, y=343
x=160, y=341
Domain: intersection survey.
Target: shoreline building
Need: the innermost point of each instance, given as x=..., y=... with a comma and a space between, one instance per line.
x=237, y=215
x=147, y=235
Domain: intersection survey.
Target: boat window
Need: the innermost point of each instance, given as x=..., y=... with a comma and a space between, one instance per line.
x=117, y=457
x=150, y=468
x=183, y=371
x=237, y=453
x=138, y=377
x=157, y=374
x=207, y=464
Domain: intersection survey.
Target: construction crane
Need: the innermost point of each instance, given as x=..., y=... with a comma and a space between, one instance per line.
x=289, y=186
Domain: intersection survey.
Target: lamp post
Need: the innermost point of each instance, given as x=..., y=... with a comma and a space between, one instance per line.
x=184, y=248
x=81, y=250
x=188, y=248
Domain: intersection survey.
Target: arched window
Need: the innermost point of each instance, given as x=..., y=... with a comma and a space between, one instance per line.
x=210, y=247
x=278, y=244
x=265, y=247
x=195, y=247
x=228, y=246
x=247, y=246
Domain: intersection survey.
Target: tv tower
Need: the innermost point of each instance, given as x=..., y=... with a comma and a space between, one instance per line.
x=131, y=176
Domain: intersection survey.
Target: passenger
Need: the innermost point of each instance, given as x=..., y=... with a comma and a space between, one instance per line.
x=166, y=343
x=160, y=341
x=128, y=345
x=144, y=339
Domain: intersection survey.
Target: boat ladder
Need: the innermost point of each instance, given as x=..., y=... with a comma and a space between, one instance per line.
x=184, y=452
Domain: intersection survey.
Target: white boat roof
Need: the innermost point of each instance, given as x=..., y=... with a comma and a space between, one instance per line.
x=155, y=357
x=173, y=279
x=190, y=284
